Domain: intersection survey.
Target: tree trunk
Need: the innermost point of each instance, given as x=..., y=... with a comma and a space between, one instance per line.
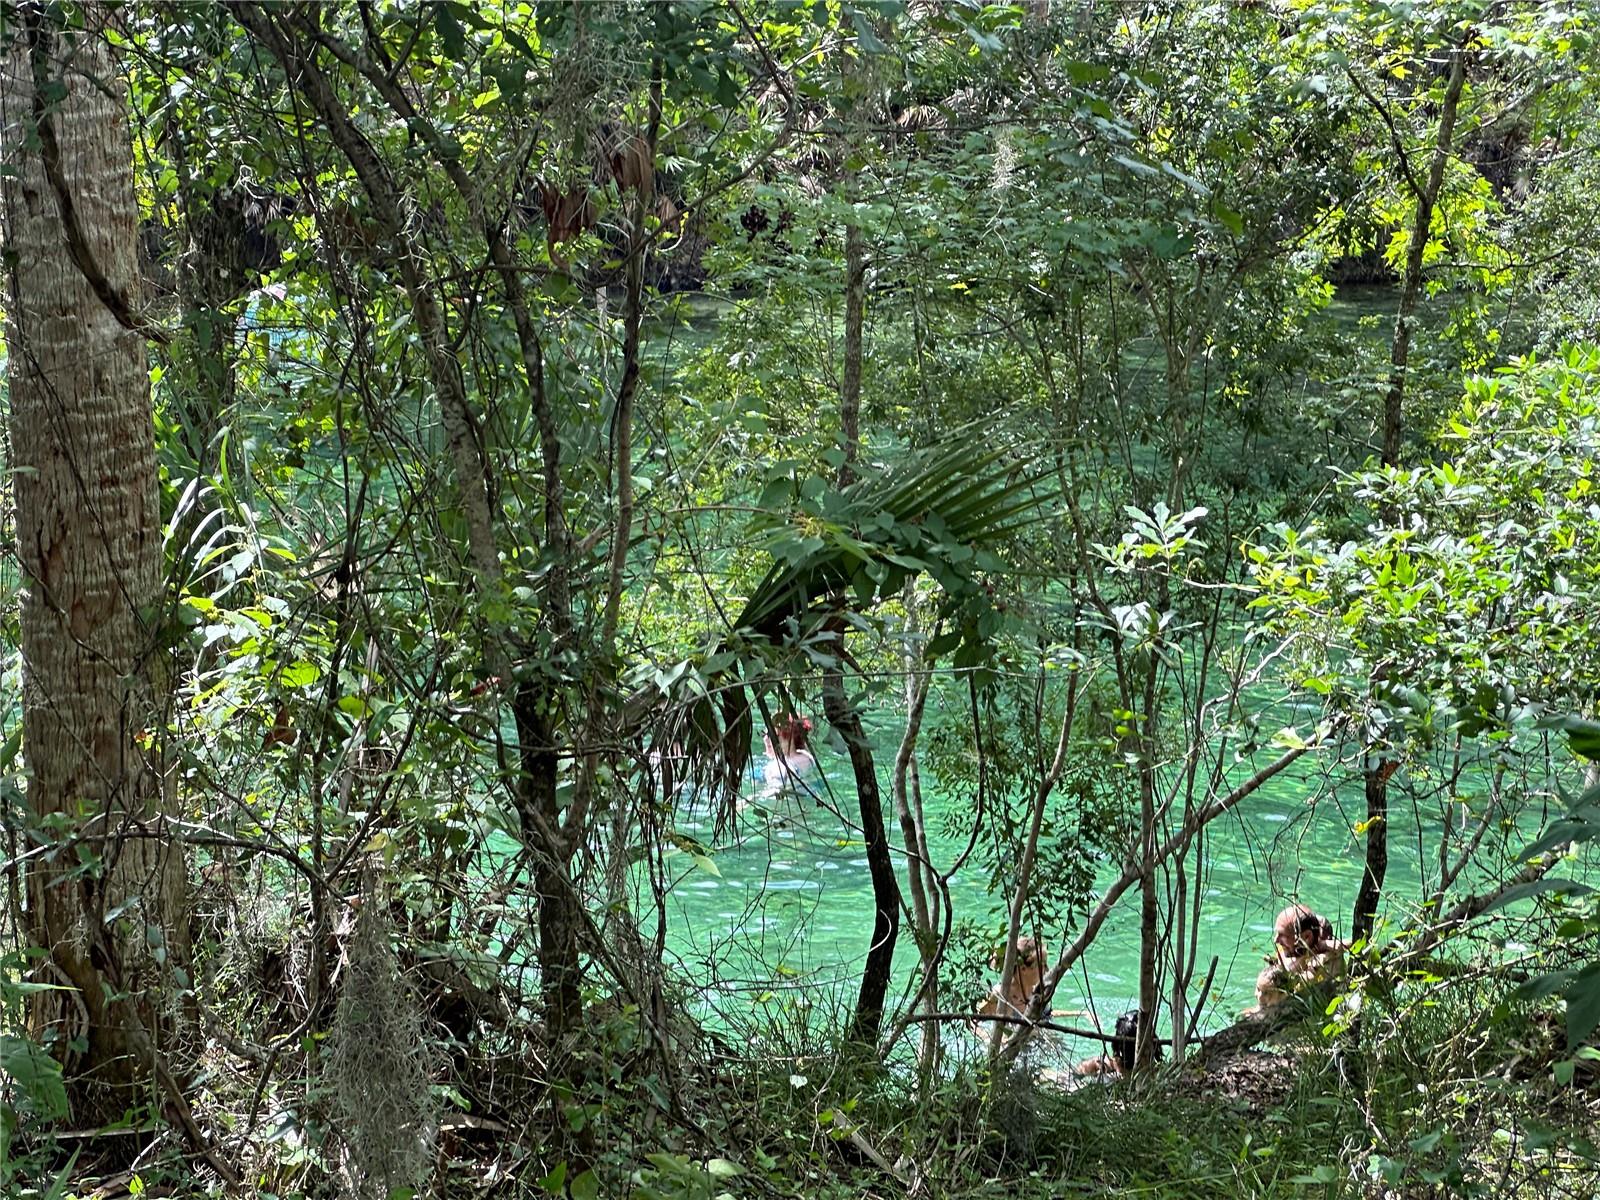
x=1149, y=922
x=1022, y=889
x=868, y=1019
x=1365, y=916
x=1378, y=767
x=855, y=307
x=875, y=976
x=1411, y=286
x=908, y=810
x=560, y=973
x=89, y=545
x=1149, y=857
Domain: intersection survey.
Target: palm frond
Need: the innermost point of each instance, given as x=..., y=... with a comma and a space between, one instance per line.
x=899, y=521
x=934, y=511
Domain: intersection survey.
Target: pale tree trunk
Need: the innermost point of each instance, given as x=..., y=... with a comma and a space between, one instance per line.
x=88, y=539
x=1149, y=859
x=1022, y=889
x=908, y=809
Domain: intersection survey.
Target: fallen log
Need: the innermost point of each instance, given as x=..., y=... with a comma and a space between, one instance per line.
x=1257, y=1026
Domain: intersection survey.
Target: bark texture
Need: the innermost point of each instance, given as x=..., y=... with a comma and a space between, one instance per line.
x=1376, y=866
x=88, y=539
x=855, y=309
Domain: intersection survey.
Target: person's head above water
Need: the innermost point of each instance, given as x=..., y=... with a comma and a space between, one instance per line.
x=1027, y=954
x=1125, y=1042
x=1296, y=930
x=1027, y=973
x=792, y=732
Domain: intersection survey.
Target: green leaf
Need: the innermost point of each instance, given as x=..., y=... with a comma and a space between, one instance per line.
x=59, y=1188
x=1575, y=828
x=1583, y=1006
x=37, y=1075
x=946, y=494
x=1172, y=243
x=451, y=35
x=354, y=706
x=1082, y=72
x=300, y=674
x=519, y=43
x=10, y=748
x=585, y=1186
x=1582, y=735
x=1542, y=986
x=1427, y=1141
x=1538, y=887
x=867, y=37
x=1325, y=1173
x=1135, y=165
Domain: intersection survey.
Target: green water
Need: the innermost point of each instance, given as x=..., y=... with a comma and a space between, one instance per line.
x=788, y=913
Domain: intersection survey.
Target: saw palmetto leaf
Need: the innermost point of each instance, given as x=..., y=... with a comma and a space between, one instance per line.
x=939, y=511
x=895, y=522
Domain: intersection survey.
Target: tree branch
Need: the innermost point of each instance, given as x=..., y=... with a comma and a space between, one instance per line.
x=1131, y=874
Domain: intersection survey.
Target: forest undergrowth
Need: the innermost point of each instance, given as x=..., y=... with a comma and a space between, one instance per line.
x=799, y=598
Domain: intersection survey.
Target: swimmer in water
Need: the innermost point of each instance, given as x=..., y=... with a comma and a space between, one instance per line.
x=792, y=760
x=1304, y=953
x=1025, y=979
x=1124, y=1048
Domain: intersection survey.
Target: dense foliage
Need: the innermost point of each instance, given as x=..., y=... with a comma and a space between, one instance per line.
x=457, y=455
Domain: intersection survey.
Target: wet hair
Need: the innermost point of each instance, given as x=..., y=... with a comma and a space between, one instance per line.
x=1290, y=924
x=1298, y=931
x=793, y=730
x=1027, y=953
x=1125, y=1043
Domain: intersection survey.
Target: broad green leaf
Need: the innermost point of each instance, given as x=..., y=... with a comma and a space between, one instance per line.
x=1538, y=887
x=1583, y=1006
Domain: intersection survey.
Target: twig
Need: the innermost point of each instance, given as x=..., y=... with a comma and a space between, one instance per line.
x=1394, y=132
x=1200, y=1007
x=1095, y=1035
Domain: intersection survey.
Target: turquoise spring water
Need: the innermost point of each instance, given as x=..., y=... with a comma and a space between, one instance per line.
x=786, y=916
